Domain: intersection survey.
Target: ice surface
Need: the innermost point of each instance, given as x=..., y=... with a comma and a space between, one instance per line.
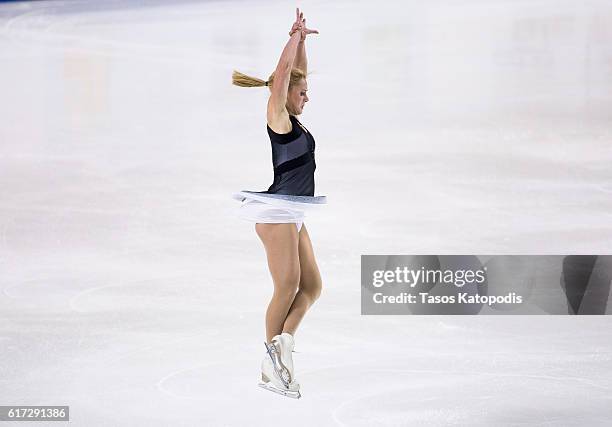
x=130, y=292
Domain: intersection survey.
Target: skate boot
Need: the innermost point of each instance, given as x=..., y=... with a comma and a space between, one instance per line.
x=272, y=382
x=279, y=352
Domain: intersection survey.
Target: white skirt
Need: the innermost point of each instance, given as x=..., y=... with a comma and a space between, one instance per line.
x=276, y=208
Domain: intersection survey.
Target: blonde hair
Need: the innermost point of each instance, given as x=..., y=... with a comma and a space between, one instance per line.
x=242, y=80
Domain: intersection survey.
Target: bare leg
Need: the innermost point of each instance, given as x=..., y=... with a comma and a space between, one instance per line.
x=309, y=285
x=281, y=244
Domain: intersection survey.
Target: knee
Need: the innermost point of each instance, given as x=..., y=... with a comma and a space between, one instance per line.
x=314, y=291
x=286, y=285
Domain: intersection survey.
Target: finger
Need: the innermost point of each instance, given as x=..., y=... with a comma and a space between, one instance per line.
x=297, y=13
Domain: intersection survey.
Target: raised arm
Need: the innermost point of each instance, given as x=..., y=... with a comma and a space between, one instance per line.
x=293, y=56
x=278, y=118
x=300, y=58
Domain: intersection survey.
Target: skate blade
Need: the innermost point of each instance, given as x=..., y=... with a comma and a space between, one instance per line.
x=286, y=393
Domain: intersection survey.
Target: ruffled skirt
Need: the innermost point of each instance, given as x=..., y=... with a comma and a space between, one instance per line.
x=276, y=208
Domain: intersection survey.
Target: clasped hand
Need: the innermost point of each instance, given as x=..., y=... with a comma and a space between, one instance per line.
x=300, y=25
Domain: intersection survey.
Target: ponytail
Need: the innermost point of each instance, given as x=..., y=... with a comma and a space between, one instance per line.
x=242, y=80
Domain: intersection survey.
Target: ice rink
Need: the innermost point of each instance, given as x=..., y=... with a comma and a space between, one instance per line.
x=130, y=292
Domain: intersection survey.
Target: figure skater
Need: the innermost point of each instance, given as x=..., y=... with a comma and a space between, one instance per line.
x=278, y=213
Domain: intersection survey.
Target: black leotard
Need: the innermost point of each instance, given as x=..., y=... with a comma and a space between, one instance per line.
x=293, y=160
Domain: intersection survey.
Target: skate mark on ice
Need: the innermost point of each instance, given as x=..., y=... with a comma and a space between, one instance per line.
x=160, y=383
x=160, y=345
x=398, y=390
x=195, y=371
x=73, y=303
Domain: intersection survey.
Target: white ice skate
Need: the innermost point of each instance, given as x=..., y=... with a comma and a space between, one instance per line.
x=270, y=381
x=281, y=364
